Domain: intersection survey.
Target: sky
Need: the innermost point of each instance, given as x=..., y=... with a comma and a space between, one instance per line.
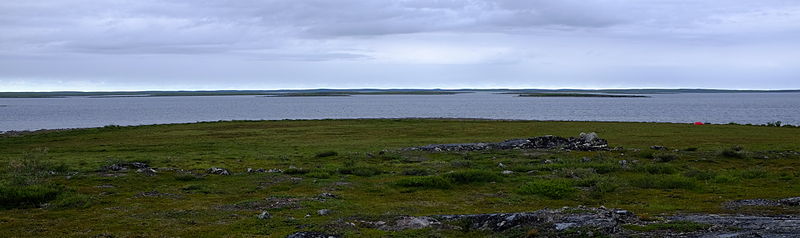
x=86, y=45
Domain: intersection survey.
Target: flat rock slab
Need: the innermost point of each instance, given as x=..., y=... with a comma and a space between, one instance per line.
x=745, y=225
x=609, y=222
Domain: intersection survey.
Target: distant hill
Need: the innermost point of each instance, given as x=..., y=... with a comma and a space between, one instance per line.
x=347, y=92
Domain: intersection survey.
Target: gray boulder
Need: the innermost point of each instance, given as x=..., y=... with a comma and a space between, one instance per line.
x=218, y=171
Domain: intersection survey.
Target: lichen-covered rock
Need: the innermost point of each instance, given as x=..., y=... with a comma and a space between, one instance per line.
x=407, y=222
x=323, y=212
x=310, y=234
x=121, y=167
x=264, y=215
x=147, y=171
x=794, y=201
x=585, y=142
x=218, y=171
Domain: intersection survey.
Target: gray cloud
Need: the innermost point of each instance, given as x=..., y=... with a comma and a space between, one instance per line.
x=551, y=43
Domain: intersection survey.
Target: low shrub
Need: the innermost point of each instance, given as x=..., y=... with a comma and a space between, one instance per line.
x=600, y=185
x=326, y=154
x=553, y=189
x=575, y=172
x=657, y=169
x=733, y=152
x=416, y=172
x=724, y=179
x=197, y=188
x=664, y=157
x=363, y=171
x=188, y=177
x=12, y=196
x=293, y=171
x=753, y=173
x=319, y=174
x=471, y=176
x=71, y=200
x=461, y=163
x=424, y=182
x=664, y=182
x=700, y=174
x=603, y=168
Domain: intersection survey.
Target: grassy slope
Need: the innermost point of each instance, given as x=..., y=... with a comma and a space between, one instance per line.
x=280, y=144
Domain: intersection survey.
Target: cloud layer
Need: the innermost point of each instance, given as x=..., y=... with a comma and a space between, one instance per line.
x=244, y=44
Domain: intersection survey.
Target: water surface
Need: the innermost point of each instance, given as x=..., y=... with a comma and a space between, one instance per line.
x=51, y=113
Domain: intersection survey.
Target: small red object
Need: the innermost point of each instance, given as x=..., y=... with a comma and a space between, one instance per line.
x=698, y=123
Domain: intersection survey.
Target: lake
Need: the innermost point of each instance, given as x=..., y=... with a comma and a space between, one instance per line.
x=77, y=112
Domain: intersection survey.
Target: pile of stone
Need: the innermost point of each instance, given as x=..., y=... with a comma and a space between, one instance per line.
x=120, y=167
x=584, y=142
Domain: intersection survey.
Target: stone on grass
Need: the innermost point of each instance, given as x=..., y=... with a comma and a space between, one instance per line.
x=218, y=171
x=264, y=215
x=323, y=212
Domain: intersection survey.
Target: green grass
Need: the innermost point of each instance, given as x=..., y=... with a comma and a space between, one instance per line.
x=471, y=176
x=27, y=196
x=664, y=182
x=56, y=179
x=553, y=189
x=425, y=182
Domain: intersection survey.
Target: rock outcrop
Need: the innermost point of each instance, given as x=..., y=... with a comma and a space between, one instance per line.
x=584, y=142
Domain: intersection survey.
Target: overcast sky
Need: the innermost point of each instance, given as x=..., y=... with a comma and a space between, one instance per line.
x=257, y=44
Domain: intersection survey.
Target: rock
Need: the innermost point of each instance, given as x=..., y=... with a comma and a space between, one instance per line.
x=599, y=221
x=557, y=219
x=407, y=223
x=588, y=137
x=745, y=225
x=158, y=194
x=249, y=170
x=218, y=171
x=311, y=234
x=274, y=171
x=327, y=195
x=115, y=167
x=585, y=142
x=658, y=147
x=119, y=167
x=139, y=165
x=547, y=161
x=794, y=201
x=147, y=171
x=507, y=172
x=586, y=159
x=751, y=203
x=564, y=226
x=623, y=163
x=264, y=215
x=501, y=165
x=323, y=212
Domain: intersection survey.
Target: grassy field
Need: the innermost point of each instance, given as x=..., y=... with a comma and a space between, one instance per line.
x=53, y=184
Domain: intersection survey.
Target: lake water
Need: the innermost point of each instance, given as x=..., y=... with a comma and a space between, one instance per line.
x=51, y=113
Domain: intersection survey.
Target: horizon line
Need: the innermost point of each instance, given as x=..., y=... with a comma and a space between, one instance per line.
x=400, y=88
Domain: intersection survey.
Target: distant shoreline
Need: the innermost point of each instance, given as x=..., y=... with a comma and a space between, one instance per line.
x=580, y=95
x=349, y=92
x=13, y=133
